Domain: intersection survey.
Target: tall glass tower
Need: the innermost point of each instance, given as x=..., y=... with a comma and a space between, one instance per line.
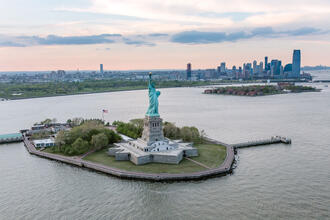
x=189, y=71
x=296, y=62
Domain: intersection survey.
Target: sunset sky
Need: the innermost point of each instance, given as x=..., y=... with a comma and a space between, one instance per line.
x=159, y=34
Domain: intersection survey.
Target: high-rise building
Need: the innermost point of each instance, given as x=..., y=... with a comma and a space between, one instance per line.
x=255, y=67
x=223, y=67
x=188, y=71
x=288, y=69
x=266, y=63
x=101, y=68
x=275, y=67
x=296, y=62
x=261, y=67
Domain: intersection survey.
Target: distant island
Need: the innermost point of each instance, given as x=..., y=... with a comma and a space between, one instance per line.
x=13, y=91
x=261, y=90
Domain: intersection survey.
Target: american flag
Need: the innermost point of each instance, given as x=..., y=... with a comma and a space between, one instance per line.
x=105, y=111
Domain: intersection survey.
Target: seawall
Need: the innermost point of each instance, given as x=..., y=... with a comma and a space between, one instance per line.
x=225, y=168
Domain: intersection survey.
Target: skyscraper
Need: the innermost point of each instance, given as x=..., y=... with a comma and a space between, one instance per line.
x=223, y=67
x=101, y=68
x=254, y=67
x=188, y=71
x=266, y=63
x=296, y=62
x=261, y=67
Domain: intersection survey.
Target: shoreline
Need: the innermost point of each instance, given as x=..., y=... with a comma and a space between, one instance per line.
x=125, y=89
x=225, y=168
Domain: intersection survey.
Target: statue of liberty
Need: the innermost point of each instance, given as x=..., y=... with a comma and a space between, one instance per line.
x=153, y=99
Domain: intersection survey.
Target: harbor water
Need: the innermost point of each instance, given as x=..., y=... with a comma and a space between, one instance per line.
x=270, y=182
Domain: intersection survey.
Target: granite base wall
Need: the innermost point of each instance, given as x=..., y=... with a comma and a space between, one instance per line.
x=140, y=160
x=170, y=159
x=122, y=156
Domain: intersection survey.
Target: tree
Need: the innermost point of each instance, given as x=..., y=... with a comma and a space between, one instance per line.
x=46, y=121
x=76, y=122
x=80, y=146
x=171, y=131
x=99, y=141
x=186, y=134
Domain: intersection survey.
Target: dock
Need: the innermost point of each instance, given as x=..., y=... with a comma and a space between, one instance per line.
x=272, y=140
x=11, y=138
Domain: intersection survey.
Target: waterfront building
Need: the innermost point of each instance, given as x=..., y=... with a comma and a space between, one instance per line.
x=188, y=71
x=296, y=63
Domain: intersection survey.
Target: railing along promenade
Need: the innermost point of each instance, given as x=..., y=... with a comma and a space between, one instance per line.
x=272, y=140
x=223, y=169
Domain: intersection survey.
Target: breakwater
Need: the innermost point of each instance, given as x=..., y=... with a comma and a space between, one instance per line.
x=225, y=168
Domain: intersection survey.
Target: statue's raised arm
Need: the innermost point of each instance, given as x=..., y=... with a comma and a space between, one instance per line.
x=153, y=99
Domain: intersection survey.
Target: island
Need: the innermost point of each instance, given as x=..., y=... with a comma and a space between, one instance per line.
x=261, y=90
x=147, y=148
x=18, y=90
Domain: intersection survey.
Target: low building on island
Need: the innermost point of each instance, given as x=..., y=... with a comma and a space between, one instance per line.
x=49, y=142
x=152, y=146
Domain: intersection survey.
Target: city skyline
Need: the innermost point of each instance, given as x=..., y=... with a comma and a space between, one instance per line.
x=125, y=35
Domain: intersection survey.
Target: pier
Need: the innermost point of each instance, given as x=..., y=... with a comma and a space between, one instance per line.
x=11, y=138
x=272, y=140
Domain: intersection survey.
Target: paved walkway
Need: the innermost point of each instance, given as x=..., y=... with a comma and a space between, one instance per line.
x=223, y=169
x=84, y=155
x=198, y=163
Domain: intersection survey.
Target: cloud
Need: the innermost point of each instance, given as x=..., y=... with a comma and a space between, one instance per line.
x=235, y=16
x=184, y=37
x=262, y=31
x=77, y=40
x=103, y=49
x=158, y=35
x=25, y=41
x=199, y=37
x=138, y=42
x=303, y=31
x=10, y=44
x=21, y=41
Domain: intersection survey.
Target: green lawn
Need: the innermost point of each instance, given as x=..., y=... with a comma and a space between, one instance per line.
x=209, y=154
x=49, y=150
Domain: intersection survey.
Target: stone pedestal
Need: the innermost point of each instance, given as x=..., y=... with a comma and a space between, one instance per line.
x=153, y=129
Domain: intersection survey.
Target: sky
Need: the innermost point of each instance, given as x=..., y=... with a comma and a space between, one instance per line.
x=40, y=35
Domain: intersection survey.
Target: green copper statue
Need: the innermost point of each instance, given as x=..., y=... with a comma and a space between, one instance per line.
x=153, y=99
